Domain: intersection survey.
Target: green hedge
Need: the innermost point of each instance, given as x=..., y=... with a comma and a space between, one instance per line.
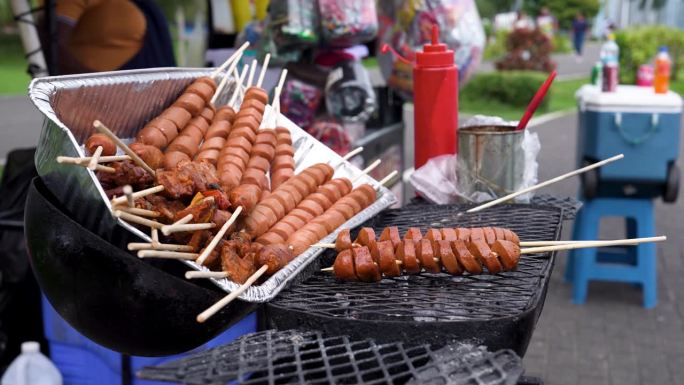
x=515, y=88
x=640, y=45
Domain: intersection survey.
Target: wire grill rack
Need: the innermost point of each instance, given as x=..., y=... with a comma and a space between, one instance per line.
x=298, y=357
x=435, y=307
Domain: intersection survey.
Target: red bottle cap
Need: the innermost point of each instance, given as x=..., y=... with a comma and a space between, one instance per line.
x=435, y=54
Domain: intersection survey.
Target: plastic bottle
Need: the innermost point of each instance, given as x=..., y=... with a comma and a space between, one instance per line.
x=31, y=367
x=610, y=54
x=435, y=95
x=663, y=64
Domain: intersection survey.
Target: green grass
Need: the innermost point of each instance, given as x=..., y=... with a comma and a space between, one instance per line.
x=13, y=77
x=562, y=94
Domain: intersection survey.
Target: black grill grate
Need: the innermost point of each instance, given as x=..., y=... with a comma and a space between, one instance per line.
x=297, y=357
x=569, y=205
x=429, y=297
x=405, y=303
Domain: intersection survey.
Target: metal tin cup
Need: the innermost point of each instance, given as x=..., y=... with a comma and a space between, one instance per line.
x=490, y=159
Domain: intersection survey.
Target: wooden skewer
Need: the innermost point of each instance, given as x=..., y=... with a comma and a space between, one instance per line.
x=548, y=243
x=206, y=274
x=128, y=192
x=160, y=246
x=579, y=245
x=386, y=179
x=212, y=245
x=140, y=212
x=352, y=153
x=331, y=245
x=168, y=229
x=544, y=184
x=234, y=58
x=86, y=159
x=366, y=170
x=252, y=70
x=238, y=85
x=136, y=159
x=187, y=227
x=213, y=309
x=138, y=194
x=95, y=159
x=583, y=245
x=98, y=167
x=166, y=254
x=264, y=66
x=154, y=235
x=219, y=89
x=136, y=219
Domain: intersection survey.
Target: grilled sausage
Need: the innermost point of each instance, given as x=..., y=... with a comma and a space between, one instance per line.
x=172, y=158
x=446, y=256
x=508, y=252
x=96, y=140
x=449, y=234
x=413, y=234
x=366, y=269
x=191, y=103
x=386, y=260
x=149, y=154
x=226, y=113
x=406, y=253
x=178, y=115
x=246, y=195
x=426, y=256
x=391, y=234
x=152, y=136
x=344, y=266
x=480, y=249
x=201, y=89
x=465, y=258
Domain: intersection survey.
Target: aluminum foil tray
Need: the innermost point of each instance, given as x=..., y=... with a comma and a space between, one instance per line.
x=124, y=101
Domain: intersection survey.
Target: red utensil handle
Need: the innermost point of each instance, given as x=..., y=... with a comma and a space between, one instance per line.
x=536, y=101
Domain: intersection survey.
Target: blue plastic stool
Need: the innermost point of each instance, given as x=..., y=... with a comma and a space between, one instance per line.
x=634, y=264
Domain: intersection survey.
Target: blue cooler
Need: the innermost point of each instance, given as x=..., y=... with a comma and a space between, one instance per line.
x=639, y=123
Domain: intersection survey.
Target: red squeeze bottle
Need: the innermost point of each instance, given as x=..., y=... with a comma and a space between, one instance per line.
x=435, y=99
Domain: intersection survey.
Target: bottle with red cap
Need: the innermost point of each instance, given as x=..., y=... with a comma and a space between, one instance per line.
x=435, y=95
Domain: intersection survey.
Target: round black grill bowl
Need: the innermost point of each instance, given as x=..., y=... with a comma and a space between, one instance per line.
x=124, y=303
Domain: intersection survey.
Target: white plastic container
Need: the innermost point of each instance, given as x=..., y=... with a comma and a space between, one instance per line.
x=31, y=367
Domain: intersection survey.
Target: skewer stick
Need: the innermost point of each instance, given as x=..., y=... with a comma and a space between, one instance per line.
x=167, y=229
x=264, y=66
x=95, y=159
x=366, y=170
x=252, y=70
x=578, y=245
x=544, y=184
x=387, y=178
x=235, y=57
x=86, y=159
x=134, y=157
x=583, y=245
x=128, y=192
x=219, y=89
x=161, y=246
x=238, y=85
x=276, y=96
x=206, y=274
x=213, y=309
x=138, y=194
x=140, y=212
x=212, y=245
x=187, y=227
x=331, y=245
x=166, y=254
x=352, y=153
x=98, y=167
x=551, y=243
x=136, y=219
x=154, y=235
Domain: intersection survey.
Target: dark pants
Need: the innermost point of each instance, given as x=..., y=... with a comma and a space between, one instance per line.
x=578, y=41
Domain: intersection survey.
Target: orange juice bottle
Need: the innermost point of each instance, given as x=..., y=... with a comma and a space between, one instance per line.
x=663, y=64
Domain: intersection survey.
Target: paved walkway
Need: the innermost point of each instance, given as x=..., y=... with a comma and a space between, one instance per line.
x=611, y=340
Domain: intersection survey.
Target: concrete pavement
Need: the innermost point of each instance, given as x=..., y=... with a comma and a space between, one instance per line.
x=611, y=339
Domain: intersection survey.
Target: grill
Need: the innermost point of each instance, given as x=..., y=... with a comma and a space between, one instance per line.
x=497, y=311
x=298, y=357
